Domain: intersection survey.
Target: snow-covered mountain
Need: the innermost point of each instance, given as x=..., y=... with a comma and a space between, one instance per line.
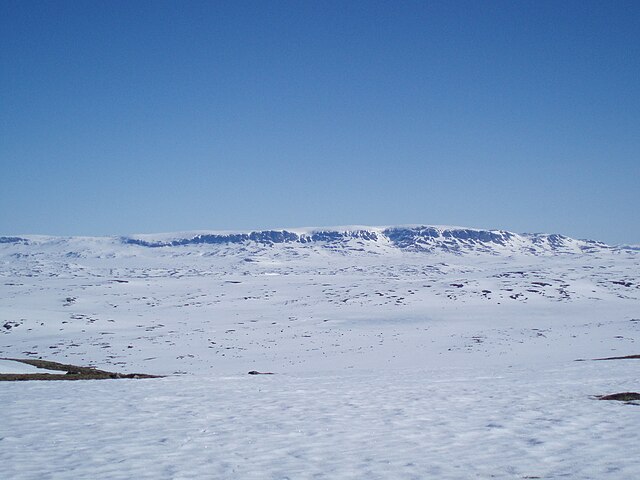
x=72, y=290
x=418, y=238
x=409, y=238
x=385, y=343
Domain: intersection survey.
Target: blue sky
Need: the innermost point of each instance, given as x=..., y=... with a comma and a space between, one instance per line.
x=131, y=117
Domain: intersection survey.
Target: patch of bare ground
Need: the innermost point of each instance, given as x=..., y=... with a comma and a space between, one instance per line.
x=73, y=372
x=626, y=357
x=619, y=358
x=621, y=397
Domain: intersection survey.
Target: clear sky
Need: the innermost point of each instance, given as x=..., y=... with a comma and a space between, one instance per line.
x=134, y=116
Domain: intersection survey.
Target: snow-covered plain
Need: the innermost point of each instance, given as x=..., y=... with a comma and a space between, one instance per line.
x=414, y=352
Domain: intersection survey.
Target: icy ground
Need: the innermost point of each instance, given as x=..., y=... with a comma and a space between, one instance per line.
x=388, y=362
x=9, y=366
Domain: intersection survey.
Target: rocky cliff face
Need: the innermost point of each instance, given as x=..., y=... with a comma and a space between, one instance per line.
x=414, y=238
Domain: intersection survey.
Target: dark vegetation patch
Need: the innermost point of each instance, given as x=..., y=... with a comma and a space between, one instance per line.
x=10, y=325
x=621, y=397
x=73, y=372
x=619, y=358
x=626, y=357
x=69, y=301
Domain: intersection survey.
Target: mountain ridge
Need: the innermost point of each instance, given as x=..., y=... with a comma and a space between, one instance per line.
x=412, y=237
x=416, y=238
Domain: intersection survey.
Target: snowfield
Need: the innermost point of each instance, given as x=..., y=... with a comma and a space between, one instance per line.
x=405, y=352
x=443, y=423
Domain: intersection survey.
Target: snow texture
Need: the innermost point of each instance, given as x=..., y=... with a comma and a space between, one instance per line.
x=397, y=352
x=9, y=366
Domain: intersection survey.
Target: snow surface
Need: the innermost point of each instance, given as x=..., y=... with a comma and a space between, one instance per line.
x=10, y=366
x=390, y=360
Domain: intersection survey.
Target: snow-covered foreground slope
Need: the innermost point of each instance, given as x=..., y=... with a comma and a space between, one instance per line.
x=445, y=423
x=413, y=352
